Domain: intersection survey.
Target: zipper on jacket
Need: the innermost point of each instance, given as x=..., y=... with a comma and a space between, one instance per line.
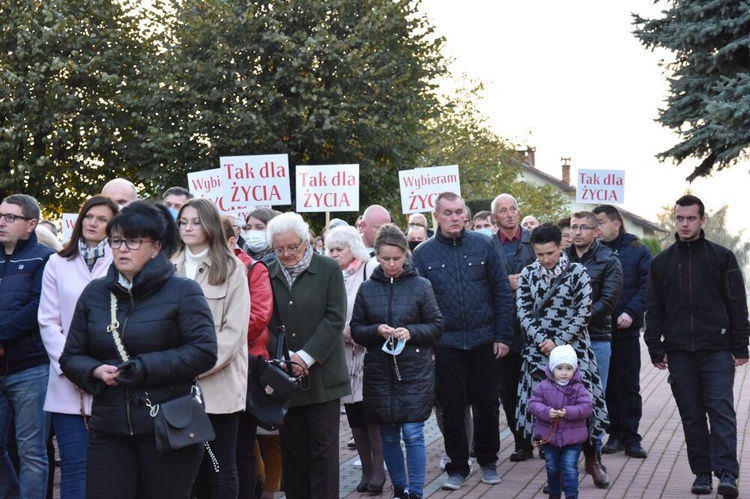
x=690, y=292
x=391, y=372
x=128, y=395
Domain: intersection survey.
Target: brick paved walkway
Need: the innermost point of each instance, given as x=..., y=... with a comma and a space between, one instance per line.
x=664, y=474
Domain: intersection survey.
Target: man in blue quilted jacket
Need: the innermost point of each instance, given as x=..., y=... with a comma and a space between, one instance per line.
x=472, y=289
x=24, y=364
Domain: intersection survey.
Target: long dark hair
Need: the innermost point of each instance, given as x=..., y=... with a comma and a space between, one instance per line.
x=70, y=250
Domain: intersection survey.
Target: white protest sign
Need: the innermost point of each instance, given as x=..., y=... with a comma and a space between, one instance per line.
x=255, y=180
x=420, y=187
x=207, y=184
x=601, y=186
x=327, y=188
x=68, y=223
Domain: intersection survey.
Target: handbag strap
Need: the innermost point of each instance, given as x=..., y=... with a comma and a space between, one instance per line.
x=112, y=329
x=282, y=349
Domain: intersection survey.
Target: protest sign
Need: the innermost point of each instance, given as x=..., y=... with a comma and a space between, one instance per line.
x=255, y=180
x=68, y=223
x=601, y=186
x=327, y=188
x=420, y=187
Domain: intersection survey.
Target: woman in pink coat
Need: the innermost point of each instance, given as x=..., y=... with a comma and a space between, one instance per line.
x=84, y=258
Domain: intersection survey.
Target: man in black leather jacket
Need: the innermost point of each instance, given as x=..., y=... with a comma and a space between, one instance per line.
x=606, y=284
x=697, y=326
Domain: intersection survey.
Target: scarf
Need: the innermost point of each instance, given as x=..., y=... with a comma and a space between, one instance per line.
x=91, y=253
x=293, y=272
x=551, y=274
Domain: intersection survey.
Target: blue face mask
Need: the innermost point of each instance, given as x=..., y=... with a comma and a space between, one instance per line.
x=486, y=232
x=393, y=346
x=173, y=211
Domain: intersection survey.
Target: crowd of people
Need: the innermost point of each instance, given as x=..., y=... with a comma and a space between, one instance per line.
x=456, y=315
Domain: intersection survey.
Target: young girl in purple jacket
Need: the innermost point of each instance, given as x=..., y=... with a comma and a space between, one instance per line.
x=561, y=405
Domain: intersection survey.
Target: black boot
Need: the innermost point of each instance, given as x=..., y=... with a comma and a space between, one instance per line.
x=399, y=493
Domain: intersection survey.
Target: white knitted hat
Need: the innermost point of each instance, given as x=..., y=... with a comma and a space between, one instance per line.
x=563, y=355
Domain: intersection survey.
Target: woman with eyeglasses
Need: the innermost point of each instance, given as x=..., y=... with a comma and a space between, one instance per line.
x=141, y=333
x=85, y=257
x=309, y=291
x=205, y=257
x=396, y=317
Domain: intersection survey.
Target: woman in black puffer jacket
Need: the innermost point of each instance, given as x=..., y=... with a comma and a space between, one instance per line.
x=397, y=308
x=168, y=337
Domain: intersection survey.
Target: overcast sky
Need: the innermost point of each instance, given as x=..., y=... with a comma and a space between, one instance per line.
x=570, y=79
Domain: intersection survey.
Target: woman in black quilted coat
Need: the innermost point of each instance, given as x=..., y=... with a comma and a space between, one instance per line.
x=396, y=308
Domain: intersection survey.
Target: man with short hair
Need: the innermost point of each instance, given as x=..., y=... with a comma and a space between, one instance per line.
x=374, y=217
x=175, y=197
x=530, y=222
x=414, y=236
x=419, y=220
x=482, y=223
x=473, y=293
x=624, y=402
x=697, y=326
x=512, y=243
x=24, y=364
x=606, y=284
x=121, y=191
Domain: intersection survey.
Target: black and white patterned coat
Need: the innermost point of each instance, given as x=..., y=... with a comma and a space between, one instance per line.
x=563, y=320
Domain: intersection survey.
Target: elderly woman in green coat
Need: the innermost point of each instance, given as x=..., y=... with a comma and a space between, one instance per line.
x=309, y=291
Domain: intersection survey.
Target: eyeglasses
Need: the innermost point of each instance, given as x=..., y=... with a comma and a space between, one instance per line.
x=574, y=228
x=132, y=244
x=289, y=249
x=182, y=223
x=414, y=224
x=10, y=217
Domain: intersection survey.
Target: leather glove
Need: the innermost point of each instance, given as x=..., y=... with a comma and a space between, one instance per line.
x=132, y=373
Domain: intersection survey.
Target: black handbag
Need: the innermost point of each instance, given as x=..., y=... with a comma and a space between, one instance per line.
x=271, y=383
x=181, y=421
x=178, y=422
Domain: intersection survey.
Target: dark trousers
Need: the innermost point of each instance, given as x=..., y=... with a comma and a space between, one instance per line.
x=310, y=451
x=702, y=383
x=509, y=368
x=224, y=484
x=624, y=401
x=130, y=467
x=247, y=463
x=468, y=377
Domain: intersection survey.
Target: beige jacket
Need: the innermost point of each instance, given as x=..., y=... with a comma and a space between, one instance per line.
x=225, y=386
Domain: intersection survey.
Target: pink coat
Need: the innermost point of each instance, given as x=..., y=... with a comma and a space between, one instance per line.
x=62, y=284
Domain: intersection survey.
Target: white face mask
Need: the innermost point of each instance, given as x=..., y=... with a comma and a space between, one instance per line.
x=256, y=240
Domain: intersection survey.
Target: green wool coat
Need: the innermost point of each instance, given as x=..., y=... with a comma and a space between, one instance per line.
x=314, y=313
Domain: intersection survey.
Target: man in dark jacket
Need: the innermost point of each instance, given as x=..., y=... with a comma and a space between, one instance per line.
x=606, y=283
x=624, y=401
x=515, y=251
x=472, y=290
x=697, y=326
x=24, y=365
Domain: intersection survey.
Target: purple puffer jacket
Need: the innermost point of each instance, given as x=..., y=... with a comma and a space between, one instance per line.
x=573, y=397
